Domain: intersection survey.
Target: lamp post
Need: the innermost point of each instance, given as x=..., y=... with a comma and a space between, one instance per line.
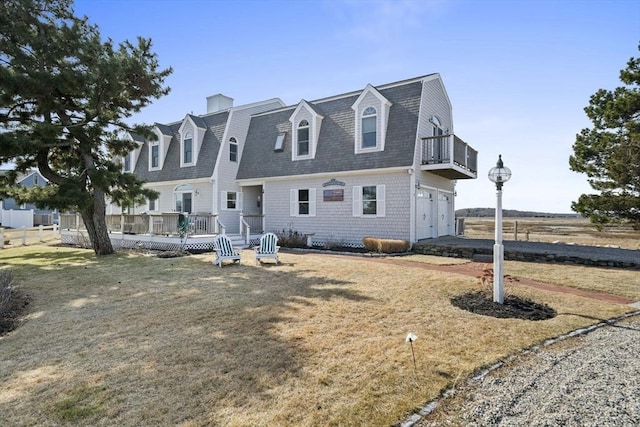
x=500, y=174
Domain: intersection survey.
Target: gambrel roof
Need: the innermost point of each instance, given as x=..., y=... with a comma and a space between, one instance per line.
x=335, y=147
x=214, y=124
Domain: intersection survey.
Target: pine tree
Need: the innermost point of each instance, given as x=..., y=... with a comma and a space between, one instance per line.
x=64, y=97
x=609, y=153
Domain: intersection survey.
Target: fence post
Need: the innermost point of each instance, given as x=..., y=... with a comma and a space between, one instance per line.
x=24, y=235
x=1, y=238
x=515, y=231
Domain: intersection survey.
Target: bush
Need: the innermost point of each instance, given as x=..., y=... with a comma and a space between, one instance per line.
x=291, y=239
x=386, y=246
x=6, y=293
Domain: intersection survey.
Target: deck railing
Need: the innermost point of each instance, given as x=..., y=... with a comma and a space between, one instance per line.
x=439, y=150
x=161, y=224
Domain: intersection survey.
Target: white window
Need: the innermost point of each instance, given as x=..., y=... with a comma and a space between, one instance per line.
x=369, y=126
x=369, y=201
x=187, y=149
x=127, y=162
x=231, y=201
x=303, y=139
x=302, y=202
x=233, y=150
x=152, y=205
x=154, y=155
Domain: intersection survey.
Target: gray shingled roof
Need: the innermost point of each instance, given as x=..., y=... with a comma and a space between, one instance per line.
x=214, y=124
x=164, y=129
x=335, y=150
x=198, y=121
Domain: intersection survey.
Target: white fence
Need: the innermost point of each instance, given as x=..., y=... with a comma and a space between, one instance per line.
x=25, y=236
x=17, y=218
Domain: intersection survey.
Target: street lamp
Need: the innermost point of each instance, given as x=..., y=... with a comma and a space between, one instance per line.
x=500, y=174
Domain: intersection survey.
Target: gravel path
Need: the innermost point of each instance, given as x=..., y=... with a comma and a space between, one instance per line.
x=590, y=380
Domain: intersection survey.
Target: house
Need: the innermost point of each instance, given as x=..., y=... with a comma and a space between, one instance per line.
x=194, y=161
x=30, y=179
x=381, y=161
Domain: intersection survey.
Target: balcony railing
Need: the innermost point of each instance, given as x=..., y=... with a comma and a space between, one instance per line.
x=166, y=224
x=450, y=156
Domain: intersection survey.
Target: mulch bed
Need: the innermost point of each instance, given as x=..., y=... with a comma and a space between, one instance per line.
x=514, y=307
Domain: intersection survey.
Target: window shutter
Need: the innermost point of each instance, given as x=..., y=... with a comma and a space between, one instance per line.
x=239, y=200
x=380, y=200
x=293, y=202
x=357, y=200
x=223, y=200
x=312, y=202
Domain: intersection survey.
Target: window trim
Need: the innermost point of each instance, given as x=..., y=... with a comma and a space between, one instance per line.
x=187, y=137
x=294, y=202
x=368, y=115
x=358, y=201
x=126, y=163
x=154, y=145
x=233, y=154
x=225, y=200
x=303, y=125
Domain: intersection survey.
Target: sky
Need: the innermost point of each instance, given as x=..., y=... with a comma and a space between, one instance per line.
x=518, y=72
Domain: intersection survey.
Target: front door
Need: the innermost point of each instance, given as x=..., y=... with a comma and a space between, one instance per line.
x=444, y=211
x=424, y=209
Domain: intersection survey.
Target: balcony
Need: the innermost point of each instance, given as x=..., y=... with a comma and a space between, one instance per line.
x=437, y=157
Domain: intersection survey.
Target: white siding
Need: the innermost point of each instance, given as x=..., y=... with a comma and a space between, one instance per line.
x=225, y=171
x=334, y=220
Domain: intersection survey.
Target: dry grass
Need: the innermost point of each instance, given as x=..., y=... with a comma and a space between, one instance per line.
x=318, y=340
x=608, y=280
x=568, y=230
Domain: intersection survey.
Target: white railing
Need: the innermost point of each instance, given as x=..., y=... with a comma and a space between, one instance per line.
x=245, y=230
x=158, y=224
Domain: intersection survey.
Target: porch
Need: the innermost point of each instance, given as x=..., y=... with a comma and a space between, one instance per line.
x=164, y=231
x=450, y=157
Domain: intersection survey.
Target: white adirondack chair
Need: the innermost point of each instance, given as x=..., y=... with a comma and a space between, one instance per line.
x=224, y=250
x=268, y=247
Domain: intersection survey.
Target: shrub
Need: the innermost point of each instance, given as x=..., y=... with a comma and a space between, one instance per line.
x=6, y=293
x=387, y=246
x=291, y=239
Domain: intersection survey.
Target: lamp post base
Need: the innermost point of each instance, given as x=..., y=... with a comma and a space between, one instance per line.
x=498, y=273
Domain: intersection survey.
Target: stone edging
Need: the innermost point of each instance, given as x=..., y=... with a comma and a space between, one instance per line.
x=427, y=409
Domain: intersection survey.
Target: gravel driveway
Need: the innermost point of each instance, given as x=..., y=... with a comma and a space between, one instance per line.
x=589, y=380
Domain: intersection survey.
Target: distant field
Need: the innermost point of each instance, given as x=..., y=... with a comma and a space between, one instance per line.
x=568, y=230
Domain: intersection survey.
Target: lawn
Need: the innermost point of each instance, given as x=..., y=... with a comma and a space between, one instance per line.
x=319, y=340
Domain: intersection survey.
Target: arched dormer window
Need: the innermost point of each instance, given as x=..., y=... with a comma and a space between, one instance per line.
x=303, y=138
x=233, y=149
x=187, y=148
x=369, y=126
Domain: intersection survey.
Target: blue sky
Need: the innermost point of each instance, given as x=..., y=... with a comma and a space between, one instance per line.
x=518, y=72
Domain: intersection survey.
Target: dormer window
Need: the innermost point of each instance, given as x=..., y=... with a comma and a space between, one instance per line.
x=127, y=162
x=305, y=131
x=187, y=149
x=369, y=126
x=233, y=149
x=154, y=155
x=303, y=138
x=371, y=115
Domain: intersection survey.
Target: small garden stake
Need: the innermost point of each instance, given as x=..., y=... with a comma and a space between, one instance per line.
x=411, y=337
